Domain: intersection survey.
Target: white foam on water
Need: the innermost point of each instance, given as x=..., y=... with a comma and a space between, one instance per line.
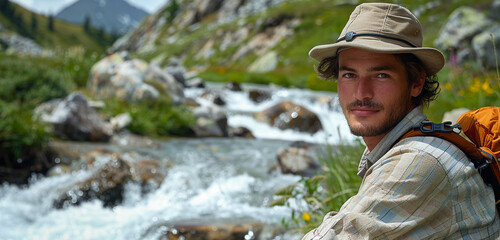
x=196, y=189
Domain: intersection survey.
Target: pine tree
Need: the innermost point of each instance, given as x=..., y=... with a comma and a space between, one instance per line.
x=51, y=23
x=4, y=6
x=86, y=24
x=34, y=21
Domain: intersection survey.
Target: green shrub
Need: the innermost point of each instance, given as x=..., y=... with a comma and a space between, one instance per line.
x=20, y=134
x=154, y=117
x=30, y=83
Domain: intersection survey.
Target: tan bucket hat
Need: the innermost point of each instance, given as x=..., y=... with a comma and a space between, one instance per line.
x=385, y=28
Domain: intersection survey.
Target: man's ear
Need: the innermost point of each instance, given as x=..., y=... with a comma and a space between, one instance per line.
x=418, y=85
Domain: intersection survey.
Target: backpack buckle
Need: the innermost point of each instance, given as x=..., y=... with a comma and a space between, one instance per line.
x=445, y=127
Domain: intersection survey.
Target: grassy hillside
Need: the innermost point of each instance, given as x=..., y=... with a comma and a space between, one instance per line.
x=321, y=22
x=62, y=35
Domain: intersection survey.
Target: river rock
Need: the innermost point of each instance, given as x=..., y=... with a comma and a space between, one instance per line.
x=258, y=96
x=211, y=121
x=73, y=119
x=213, y=97
x=111, y=172
x=132, y=80
x=296, y=160
x=233, y=86
x=58, y=170
x=236, y=231
x=107, y=185
x=120, y=121
x=195, y=83
x=288, y=115
x=240, y=132
x=177, y=70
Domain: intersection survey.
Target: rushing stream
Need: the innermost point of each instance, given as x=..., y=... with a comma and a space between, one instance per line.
x=211, y=179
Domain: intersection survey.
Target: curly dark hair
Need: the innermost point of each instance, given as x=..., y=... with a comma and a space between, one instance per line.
x=328, y=69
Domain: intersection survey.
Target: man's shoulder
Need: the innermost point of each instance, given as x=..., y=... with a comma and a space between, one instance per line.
x=445, y=153
x=434, y=146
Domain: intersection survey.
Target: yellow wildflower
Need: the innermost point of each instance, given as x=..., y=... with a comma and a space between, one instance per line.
x=487, y=88
x=306, y=217
x=461, y=92
x=476, y=86
x=447, y=86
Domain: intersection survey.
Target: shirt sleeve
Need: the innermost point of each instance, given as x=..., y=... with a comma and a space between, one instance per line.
x=403, y=195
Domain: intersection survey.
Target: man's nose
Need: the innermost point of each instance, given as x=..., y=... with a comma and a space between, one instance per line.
x=364, y=89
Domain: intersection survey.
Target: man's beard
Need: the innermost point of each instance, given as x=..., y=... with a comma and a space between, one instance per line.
x=399, y=111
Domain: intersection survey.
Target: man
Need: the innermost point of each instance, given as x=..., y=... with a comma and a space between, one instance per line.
x=415, y=188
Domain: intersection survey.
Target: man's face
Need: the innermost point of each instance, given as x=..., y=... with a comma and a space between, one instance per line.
x=373, y=91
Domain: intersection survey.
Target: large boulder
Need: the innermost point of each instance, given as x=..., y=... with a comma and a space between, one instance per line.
x=132, y=80
x=288, y=115
x=73, y=119
x=211, y=121
x=165, y=83
x=466, y=36
x=483, y=47
x=107, y=185
x=462, y=25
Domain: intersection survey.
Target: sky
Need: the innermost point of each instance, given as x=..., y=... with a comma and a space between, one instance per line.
x=54, y=6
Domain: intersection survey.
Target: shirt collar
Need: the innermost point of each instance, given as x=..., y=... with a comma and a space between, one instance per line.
x=416, y=116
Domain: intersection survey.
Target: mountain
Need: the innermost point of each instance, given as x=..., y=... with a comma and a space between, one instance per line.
x=115, y=16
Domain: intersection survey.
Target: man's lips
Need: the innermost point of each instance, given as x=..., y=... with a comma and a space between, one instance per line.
x=363, y=111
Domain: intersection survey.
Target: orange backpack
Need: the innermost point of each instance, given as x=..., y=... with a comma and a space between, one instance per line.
x=482, y=127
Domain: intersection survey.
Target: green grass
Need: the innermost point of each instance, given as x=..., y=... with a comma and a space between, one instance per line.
x=465, y=86
x=326, y=191
x=158, y=118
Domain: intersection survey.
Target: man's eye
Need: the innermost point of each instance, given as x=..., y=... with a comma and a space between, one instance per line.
x=348, y=75
x=382, y=75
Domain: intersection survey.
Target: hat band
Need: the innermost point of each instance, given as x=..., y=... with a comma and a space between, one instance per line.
x=351, y=35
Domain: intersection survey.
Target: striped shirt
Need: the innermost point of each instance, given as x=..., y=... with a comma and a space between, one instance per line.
x=417, y=188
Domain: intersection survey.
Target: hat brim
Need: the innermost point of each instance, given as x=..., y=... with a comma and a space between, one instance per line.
x=431, y=58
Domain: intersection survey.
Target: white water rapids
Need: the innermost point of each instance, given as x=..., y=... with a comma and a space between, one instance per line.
x=212, y=180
